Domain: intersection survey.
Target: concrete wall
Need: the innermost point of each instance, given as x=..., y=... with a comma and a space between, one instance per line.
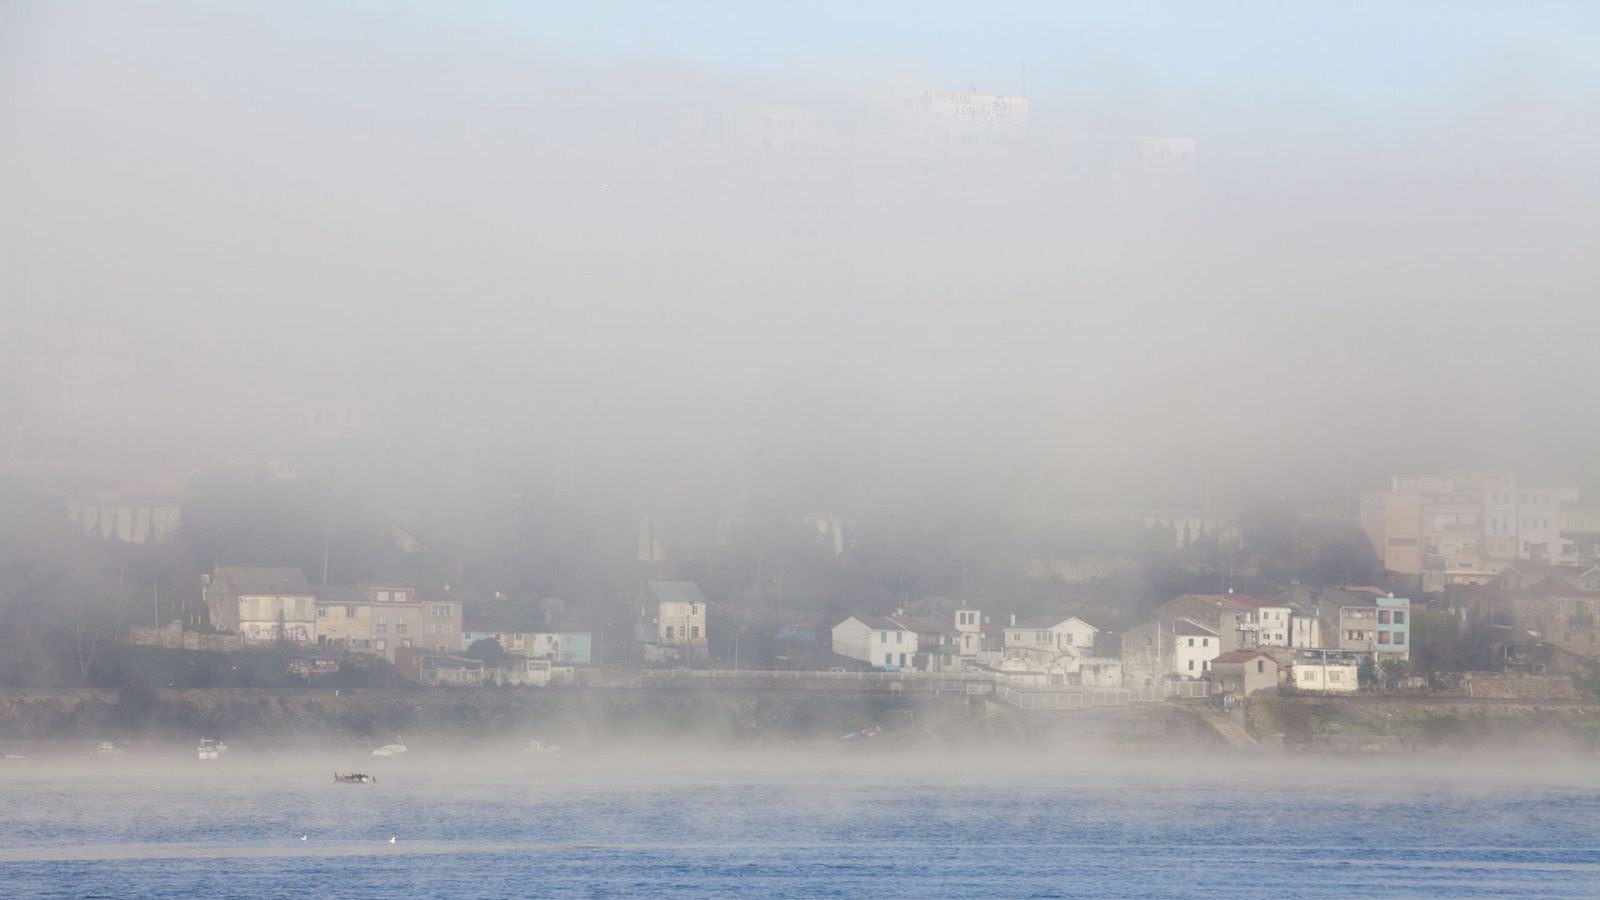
x=1516, y=686
x=172, y=635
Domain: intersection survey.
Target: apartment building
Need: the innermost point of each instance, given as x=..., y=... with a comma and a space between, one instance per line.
x=1460, y=531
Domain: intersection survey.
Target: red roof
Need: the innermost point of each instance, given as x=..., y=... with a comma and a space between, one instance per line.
x=1239, y=656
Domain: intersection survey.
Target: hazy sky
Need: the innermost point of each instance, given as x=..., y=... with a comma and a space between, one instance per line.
x=1383, y=260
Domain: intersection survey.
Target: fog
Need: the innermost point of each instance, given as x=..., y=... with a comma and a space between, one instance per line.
x=548, y=249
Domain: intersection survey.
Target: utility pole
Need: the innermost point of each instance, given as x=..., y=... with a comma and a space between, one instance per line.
x=155, y=603
x=327, y=539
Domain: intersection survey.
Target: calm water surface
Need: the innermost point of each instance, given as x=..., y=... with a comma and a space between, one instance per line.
x=509, y=825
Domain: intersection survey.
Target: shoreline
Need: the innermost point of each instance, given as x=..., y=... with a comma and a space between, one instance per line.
x=266, y=717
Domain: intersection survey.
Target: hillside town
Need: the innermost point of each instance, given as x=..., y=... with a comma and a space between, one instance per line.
x=1532, y=588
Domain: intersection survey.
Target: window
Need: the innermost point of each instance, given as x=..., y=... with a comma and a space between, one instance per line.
x=448, y=629
x=1335, y=676
x=902, y=659
x=888, y=659
x=427, y=630
x=1261, y=666
x=383, y=596
x=1399, y=617
x=1399, y=637
x=349, y=612
x=694, y=631
x=1383, y=617
x=1205, y=642
x=883, y=637
x=400, y=627
x=383, y=645
x=1383, y=637
x=322, y=613
x=1191, y=642
x=1191, y=665
x=694, y=609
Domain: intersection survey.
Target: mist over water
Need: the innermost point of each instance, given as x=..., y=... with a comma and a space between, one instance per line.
x=827, y=309
x=704, y=820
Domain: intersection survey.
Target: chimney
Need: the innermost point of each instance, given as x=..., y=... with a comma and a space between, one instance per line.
x=1013, y=620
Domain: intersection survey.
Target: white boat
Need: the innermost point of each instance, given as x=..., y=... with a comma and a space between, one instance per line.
x=106, y=748
x=539, y=747
x=391, y=749
x=210, y=749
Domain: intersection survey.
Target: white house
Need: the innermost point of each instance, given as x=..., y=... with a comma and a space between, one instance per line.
x=672, y=614
x=877, y=641
x=1319, y=673
x=1053, y=634
x=1194, y=647
x=1251, y=622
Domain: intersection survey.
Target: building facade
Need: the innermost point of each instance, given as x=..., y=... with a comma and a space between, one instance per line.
x=880, y=641
x=261, y=604
x=673, y=614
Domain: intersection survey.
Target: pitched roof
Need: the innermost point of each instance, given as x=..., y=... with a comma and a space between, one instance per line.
x=675, y=591
x=1191, y=628
x=934, y=607
x=920, y=626
x=1239, y=656
x=264, y=580
x=1039, y=622
x=1049, y=622
x=881, y=623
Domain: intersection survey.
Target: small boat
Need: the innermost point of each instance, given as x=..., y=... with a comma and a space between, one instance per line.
x=539, y=747
x=106, y=748
x=392, y=749
x=354, y=778
x=210, y=749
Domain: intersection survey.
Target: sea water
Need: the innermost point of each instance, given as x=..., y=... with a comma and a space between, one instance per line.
x=752, y=824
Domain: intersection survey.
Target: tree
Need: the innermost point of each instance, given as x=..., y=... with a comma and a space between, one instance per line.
x=488, y=650
x=1394, y=668
x=1436, y=642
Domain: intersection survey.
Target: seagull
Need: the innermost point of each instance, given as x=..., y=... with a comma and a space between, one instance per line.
x=304, y=837
x=391, y=838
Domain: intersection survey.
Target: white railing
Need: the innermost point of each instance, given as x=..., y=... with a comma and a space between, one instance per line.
x=953, y=678
x=1004, y=686
x=1075, y=698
